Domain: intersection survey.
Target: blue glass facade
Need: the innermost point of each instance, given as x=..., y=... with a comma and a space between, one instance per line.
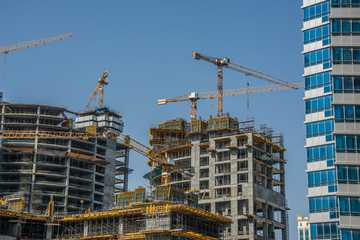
x=331, y=38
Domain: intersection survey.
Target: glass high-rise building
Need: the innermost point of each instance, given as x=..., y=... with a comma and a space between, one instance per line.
x=331, y=31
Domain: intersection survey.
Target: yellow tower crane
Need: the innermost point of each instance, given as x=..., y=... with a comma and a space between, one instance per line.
x=34, y=43
x=225, y=62
x=193, y=97
x=100, y=89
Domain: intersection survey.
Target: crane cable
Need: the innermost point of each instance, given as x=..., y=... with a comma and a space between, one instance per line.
x=248, y=99
x=3, y=75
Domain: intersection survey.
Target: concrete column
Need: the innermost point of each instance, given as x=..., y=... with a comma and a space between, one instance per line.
x=282, y=176
x=86, y=228
x=126, y=175
x=234, y=213
x=67, y=178
x=213, y=206
x=271, y=231
x=93, y=189
x=2, y=117
x=121, y=226
x=34, y=163
x=94, y=174
x=252, y=228
x=265, y=215
x=195, y=162
x=265, y=229
x=251, y=162
x=265, y=210
x=49, y=231
x=2, y=122
x=15, y=229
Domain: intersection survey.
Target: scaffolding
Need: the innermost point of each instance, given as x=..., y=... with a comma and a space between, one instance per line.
x=238, y=170
x=198, y=126
x=14, y=202
x=222, y=123
x=142, y=221
x=128, y=198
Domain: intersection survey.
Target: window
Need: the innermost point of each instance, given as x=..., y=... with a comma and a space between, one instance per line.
x=322, y=128
x=243, y=177
x=345, y=3
x=347, y=113
x=318, y=81
x=205, y=206
x=306, y=234
x=318, y=57
x=319, y=104
x=321, y=33
x=346, y=55
x=223, y=156
x=222, y=180
x=324, y=204
x=348, y=234
x=204, y=173
x=347, y=143
x=204, y=185
x=346, y=84
x=348, y=174
x=322, y=153
x=323, y=178
x=242, y=166
x=239, y=188
x=241, y=142
x=204, y=161
x=203, y=150
x=222, y=168
x=316, y=11
x=223, y=192
x=222, y=145
x=242, y=153
x=349, y=206
x=324, y=231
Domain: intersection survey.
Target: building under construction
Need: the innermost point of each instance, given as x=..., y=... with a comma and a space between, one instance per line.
x=168, y=213
x=79, y=173
x=58, y=179
x=239, y=171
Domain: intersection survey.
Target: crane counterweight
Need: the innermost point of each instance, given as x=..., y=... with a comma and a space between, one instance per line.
x=161, y=101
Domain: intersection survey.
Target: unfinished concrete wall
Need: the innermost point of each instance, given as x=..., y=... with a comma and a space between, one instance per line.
x=239, y=172
x=80, y=174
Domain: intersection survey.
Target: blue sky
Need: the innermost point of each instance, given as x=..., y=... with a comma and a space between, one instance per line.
x=146, y=46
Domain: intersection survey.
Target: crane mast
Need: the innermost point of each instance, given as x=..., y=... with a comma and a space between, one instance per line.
x=100, y=89
x=219, y=63
x=219, y=91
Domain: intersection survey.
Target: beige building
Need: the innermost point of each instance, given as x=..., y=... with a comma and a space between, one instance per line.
x=303, y=228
